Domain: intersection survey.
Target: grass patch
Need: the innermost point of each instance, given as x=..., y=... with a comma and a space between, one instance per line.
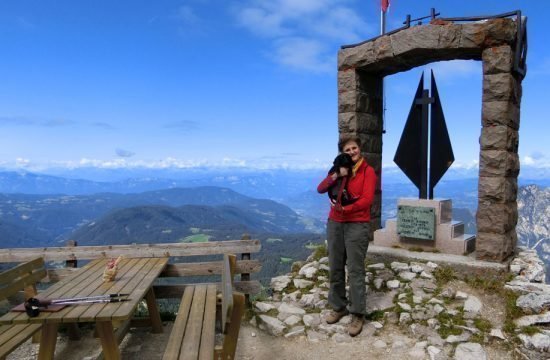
x=491, y=285
x=197, y=238
x=477, y=338
x=444, y=331
x=375, y=315
x=529, y=330
x=512, y=311
x=483, y=325
x=443, y=274
x=320, y=252
x=416, y=249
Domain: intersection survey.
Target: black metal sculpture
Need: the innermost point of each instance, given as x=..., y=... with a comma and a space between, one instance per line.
x=412, y=152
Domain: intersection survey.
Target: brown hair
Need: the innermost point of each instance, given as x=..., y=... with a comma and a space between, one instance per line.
x=346, y=139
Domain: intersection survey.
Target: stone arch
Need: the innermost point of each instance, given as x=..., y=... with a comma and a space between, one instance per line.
x=362, y=68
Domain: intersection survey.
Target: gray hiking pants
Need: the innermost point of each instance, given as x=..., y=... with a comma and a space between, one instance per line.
x=347, y=244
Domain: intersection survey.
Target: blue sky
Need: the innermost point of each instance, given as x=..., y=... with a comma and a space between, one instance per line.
x=248, y=83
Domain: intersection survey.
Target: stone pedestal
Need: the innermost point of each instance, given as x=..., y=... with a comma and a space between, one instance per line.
x=449, y=235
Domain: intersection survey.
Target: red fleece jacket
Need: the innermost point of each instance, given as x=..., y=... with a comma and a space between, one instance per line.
x=361, y=186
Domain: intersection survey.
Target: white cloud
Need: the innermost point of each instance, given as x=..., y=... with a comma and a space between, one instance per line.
x=447, y=70
x=305, y=34
x=536, y=160
x=300, y=53
x=23, y=163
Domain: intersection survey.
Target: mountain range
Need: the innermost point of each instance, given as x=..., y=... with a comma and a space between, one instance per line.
x=31, y=215
x=51, y=219
x=533, y=226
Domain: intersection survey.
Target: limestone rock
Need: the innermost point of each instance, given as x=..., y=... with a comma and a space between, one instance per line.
x=472, y=307
x=301, y=283
x=292, y=297
x=407, y=275
x=291, y=309
x=380, y=301
x=399, y=266
x=378, y=266
x=393, y=284
x=263, y=306
x=497, y=333
x=309, y=270
x=295, y=331
x=404, y=318
x=458, y=338
x=470, y=351
x=433, y=352
x=533, y=319
x=379, y=344
x=272, y=325
x=280, y=282
x=315, y=337
x=292, y=320
x=534, y=303
x=416, y=268
x=311, y=320
x=539, y=342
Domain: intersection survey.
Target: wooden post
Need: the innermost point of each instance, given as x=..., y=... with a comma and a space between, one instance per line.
x=246, y=276
x=72, y=328
x=71, y=262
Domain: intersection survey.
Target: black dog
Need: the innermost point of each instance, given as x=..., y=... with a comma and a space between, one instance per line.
x=341, y=161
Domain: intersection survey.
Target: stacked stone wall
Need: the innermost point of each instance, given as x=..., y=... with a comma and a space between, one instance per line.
x=497, y=213
x=360, y=114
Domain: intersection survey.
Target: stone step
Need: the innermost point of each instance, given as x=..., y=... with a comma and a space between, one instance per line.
x=455, y=227
x=465, y=242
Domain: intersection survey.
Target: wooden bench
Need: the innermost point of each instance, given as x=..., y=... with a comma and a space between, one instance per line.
x=194, y=331
x=179, y=274
x=22, y=277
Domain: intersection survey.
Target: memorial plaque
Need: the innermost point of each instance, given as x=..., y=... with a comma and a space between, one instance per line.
x=416, y=222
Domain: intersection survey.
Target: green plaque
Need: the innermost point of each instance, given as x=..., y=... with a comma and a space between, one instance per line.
x=416, y=222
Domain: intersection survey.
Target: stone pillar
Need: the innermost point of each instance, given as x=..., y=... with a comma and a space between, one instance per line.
x=360, y=114
x=497, y=211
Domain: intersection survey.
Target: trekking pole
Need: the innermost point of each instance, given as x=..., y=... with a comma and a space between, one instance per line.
x=33, y=305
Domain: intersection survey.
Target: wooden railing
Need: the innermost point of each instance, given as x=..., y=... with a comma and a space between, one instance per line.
x=72, y=254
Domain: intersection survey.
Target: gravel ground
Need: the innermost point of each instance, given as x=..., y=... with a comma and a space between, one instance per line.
x=253, y=344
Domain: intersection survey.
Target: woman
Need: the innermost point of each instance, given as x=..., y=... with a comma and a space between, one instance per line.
x=348, y=235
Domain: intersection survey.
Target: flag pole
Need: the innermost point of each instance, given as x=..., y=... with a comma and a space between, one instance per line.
x=383, y=10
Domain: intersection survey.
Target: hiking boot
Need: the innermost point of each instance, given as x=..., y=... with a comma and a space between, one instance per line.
x=335, y=316
x=356, y=325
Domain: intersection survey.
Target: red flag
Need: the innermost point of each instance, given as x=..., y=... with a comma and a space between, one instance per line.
x=384, y=4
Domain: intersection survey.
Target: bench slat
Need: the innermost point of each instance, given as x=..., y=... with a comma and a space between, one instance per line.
x=209, y=268
x=178, y=330
x=21, y=269
x=176, y=291
x=193, y=330
x=209, y=326
x=227, y=291
x=134, y=250
x=14, y=335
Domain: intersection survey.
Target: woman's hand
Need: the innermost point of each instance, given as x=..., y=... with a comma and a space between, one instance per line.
x=336, y=206
x=343, y=172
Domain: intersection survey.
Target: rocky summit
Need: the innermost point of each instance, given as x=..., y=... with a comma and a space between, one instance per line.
x=422, y=310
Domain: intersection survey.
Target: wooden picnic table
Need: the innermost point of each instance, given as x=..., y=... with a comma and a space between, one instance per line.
x=135, y=277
